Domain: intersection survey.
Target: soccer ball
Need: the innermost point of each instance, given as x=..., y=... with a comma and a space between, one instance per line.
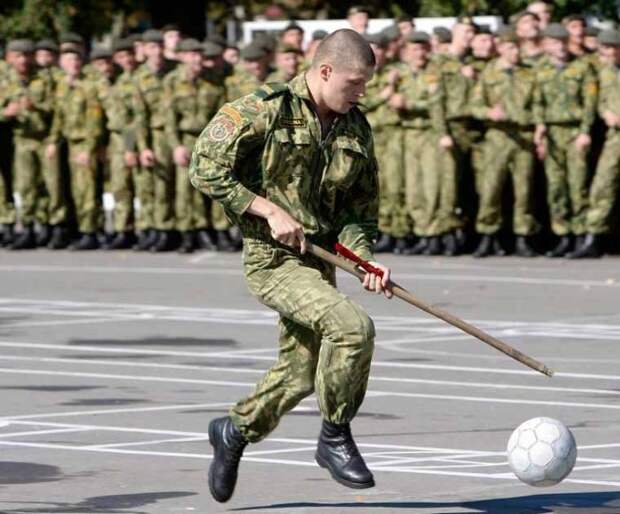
x=542, y=452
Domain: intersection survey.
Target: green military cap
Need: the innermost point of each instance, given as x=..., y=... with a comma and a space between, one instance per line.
x=122, y=45
x=100, y=53
x=153, y=36
x=377, y=39
x=507, y=35
x=318, y=35
x=171, y=27
x=20, y=45
x=284, y=48
x=609, y=37
x=574, y=17
x=190, y=45
x=293, y=26
x=253, y=52
x=484, y=29
x=391, y=33
x=72, y=48
x=592, y=31
x=418, y=36
x=354, y=9
x=71, y=37
x=218, y=39
x=515, y=18
x=556, y=31
x=443, y=34
x=46, y=44
x=135, y=38
x=265, y=41
x=211, y=49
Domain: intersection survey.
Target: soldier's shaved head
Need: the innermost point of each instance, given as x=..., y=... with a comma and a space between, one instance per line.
x=344, y=48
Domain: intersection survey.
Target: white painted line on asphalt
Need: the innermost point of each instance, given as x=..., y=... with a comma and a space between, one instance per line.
x=43, y=432
x=82, y=321
x=147, y=443
x=487, y=385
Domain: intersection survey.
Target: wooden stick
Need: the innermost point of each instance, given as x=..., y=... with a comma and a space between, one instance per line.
x=405, y=295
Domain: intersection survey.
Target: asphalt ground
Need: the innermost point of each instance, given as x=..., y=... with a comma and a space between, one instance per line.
x=113, y=364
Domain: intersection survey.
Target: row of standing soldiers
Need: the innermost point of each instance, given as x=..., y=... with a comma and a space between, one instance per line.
x=453, y=126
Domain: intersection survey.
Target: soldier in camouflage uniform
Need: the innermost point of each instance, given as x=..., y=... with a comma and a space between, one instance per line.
x=388, y=138
x=192, y=97
x=153, y=145
x=291, y=162
x=28, y=101
x=564, y=111
x=287, y=63
x=503, y=97
x=527, y=27
x=78, y=120
x=248, y=76
x=604, y=188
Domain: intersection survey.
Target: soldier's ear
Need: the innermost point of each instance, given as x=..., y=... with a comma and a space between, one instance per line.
x=325, y=71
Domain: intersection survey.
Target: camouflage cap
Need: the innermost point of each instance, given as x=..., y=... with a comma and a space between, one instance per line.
x=100, y=53
x=267, y=42
x=284, y=48
x=122, y=45
x=443, y=34
x=418, y=36
x=71, y=37
x=46, y=44
x=377, y=39
x=293, y=26
x=136, y=37
x=72, y=48
x=484, y=29
x=609, y=37
x=355, y=9
x=592, y=31
x=556, y=31
x=253, y=52
x=153, y=36
x=318, y=35
x=516, y=17
x=20, y=45
x=218, y=39
x=391, y=33
x=507, y=35
x=211, y=49
x=190, y=45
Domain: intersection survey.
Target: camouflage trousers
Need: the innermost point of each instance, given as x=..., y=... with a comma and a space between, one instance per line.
x=121, y=184
x=34, y=172
x=84, y=188
x=507, y=153
x=7, y=209
x=326, y=341
x=162, y=177
x=189, y=203
x=144, y=190
x=604, y=188
x=430, y=184
x=389, y=151
x=566, y=170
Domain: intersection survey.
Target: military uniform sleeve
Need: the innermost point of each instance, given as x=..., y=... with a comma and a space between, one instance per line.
x=590, y=99
x=359, y=215
x=479, y=108
x=93, y=119
x=172, y=121
x=227, y=140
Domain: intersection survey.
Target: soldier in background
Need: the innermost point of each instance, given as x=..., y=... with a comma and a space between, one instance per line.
x=358, y=17
x=192, y=97
x=153, y=145
x=576, y=26
x=317, y=37
x=172, y=38
x=527, y=28
x=564, y=111
x=138, y=47
x=590, y=41
x=251, y=74
x=441, y=39
x=405, y=24
x=292, y=35
x=78, y=120
x=543, y=10
x=288, y=59
x=604, y=188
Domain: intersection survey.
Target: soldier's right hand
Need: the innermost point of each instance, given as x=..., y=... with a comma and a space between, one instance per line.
x=12, y=109
x=286, y=230
x=147, y=158
x=181, y=156
x=50, y=151
x=611, y=119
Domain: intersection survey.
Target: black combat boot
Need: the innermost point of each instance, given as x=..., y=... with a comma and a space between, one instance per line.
x=434, y=246
x=338, y=453
x=121, y=241
x=485, y=247
x=224, y=242
x=419, y=248
x=384, y=244
x=25, y=240
x=145, y=240
x=450, y=246
x=187, y=242
x=523, y=248
x=43, y=235
x=401, y=245
x=164, y=242
x=498, y=249
x=562, y=248
x=6, y=239
x=206, y=241
x=59, y=238
x=228, y=445
x=88, y=241
x=590, y=248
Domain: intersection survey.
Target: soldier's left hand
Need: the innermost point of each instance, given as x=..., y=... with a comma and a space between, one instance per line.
x=82, y=158
x=583, y=141
x=131, y=159
x=468, y=71
x=378, y=284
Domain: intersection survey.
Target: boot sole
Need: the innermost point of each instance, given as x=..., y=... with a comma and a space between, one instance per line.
x=343, y=481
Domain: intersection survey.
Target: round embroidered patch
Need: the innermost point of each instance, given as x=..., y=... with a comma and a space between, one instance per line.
x=221, y=129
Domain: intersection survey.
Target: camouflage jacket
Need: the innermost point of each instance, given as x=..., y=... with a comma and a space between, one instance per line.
x=78, y=115
x=190, y=104
x=424, y=99
x=609, y=83
x=376, y=109
x=566, y=95
x=457, y=86
x=34, y=122
x=513, y=89
x=270, y=143
x=240, y=83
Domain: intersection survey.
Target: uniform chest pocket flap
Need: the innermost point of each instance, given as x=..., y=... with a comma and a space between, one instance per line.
x=289, y=156
x=348, y=158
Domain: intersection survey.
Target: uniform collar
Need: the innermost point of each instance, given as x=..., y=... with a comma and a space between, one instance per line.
x=299, y=87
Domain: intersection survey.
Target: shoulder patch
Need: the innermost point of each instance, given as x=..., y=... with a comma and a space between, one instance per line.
x=220, y=128
x=270, y=89
x=233, y=113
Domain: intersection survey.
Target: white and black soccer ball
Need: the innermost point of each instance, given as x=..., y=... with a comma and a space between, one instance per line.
x=542, y=452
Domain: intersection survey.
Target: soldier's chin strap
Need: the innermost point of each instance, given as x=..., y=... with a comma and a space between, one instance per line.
x=353, y=264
